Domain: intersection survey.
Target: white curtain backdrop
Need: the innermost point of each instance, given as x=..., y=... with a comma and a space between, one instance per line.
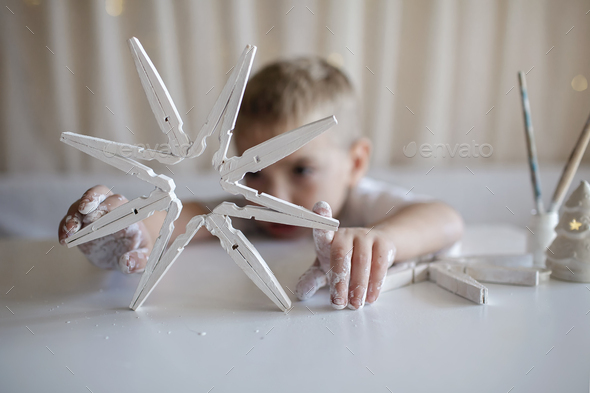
x=429, y=72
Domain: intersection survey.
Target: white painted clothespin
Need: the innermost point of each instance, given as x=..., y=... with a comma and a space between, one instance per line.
x=462, y=275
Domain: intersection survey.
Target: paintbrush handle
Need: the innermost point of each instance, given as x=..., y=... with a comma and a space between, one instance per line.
x=530, y=143
x=571, y=167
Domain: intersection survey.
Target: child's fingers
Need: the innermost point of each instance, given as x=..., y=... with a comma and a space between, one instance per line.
x=322, y=238
x=93, y=198
x=359, y=274
x=136, y=240
x=70, y=224
x=109, y=204
x=75, y=219
x=126, y=250
x=134, y=261
x=383, y=256
x=313, y=279
x=339, y=272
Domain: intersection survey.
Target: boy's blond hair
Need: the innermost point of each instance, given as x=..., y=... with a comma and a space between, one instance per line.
x=291, y=91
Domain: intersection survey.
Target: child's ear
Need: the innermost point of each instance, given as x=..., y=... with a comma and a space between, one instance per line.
x=360, y=154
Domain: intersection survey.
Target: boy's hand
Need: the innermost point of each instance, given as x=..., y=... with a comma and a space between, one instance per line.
x=127, y=249
x=354, y=261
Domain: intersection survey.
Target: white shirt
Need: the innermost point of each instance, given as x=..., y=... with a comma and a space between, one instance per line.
x=372, y=200
x=369, y=202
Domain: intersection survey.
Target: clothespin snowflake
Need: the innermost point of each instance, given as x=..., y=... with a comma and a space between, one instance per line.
x=232, y=170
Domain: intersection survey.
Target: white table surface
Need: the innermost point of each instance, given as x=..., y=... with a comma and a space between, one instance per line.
x=419, y=338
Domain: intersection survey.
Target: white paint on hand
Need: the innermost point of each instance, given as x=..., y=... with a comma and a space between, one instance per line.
x=390, y=257
x=95, y=200
x=322, y=238
x=77, y=225
x=95, y=214
x=315, y=277
x=129, y=261
x=106, y=251
x=336, y=278
x=309, y=283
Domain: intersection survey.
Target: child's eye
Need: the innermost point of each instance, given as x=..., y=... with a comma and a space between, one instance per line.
x=301, y=170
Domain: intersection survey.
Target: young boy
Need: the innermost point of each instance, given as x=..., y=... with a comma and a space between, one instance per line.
x=379, y=223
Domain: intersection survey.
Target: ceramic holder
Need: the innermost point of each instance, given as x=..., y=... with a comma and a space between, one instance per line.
x=540, y=235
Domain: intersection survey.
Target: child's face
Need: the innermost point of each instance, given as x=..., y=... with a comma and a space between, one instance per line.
x=320, y=170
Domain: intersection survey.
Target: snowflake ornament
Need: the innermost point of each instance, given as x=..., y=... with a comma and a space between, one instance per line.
x=232, y=170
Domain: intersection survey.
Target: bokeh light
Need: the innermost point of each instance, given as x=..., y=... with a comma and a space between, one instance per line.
x=114, y=7
x=335, y=59
x=579, y=83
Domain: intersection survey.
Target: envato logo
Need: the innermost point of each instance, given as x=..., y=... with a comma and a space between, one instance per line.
x=444, y=150
x=141, y=150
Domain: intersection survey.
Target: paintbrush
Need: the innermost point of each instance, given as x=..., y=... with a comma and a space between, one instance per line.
x=570, y=168
x=530, y=144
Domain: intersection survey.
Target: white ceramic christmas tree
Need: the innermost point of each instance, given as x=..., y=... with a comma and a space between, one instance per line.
x=569, y=254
